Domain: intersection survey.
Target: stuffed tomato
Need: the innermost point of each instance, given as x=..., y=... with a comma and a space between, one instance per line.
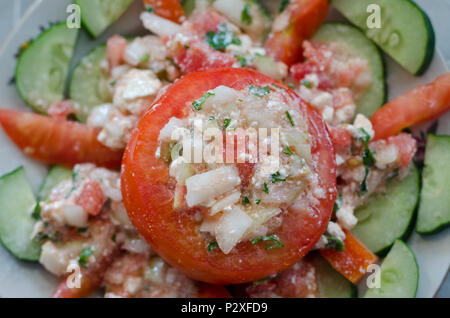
x=236, y=218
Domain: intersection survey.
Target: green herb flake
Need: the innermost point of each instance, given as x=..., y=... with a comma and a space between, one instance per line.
x=368, y=158
x=82, y=229
x=241, y=59
x=246, y=17
x=113, y=238
x=197, y=104
x=290, y=85
x=212, y=246
x=291, y=121
x=84, y=255
x=288, y=151
x=226, y=123
x=113, y=83
x=221, y=39
x=272, y=242
x=276, y=177
x=266, y=188
x=283, y=5
x=257, y=201
x=149, y=9
x=306, y=83
x=363, y=187
x=265, y=279
x=259, y=91
x=335, y=243
x=245, y=200
x=36, y=211
x=146, y=58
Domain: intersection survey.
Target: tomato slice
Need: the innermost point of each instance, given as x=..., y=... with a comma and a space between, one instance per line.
x=57, y=141
x=285, y=41
x=169, y=9
x=414, y=107
x=174, y=235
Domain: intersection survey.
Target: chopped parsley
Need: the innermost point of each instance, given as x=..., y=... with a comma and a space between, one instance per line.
x=226, y=123
x=221, y=39
x=82, y=229
x=84, y=255
x=288, y=151
x=276, y=177
x=290, y=85
x=306, y=83
x=146, y=58
x=272, y=242
x=246, y=17
x=335, y=243
x=368, y=158
x=212, y=246
x=263, y=280
x=266, y=188
x=283, y=5
x=113, y=238
x=197, y=104
x=363, y=187
x=257, y=201
x=259, y=91
x=245, y=200
x=36, y=212
x=337, y=203
x=242, y=60
x=149, y=9
x=112, y=83
x=291, y=121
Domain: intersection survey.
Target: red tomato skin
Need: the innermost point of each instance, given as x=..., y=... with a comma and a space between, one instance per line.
x=91, y=198
x=341, y=137
x=306, y=16
x=115, y=50
x=414, y=107
x=212, y=291
x=174, y=235
x=57, y=141
x=169, y=9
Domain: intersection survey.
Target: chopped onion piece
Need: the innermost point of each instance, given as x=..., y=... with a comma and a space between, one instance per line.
x=159, y=25
x=226, y=202
x=209, y=185
x=231, y=228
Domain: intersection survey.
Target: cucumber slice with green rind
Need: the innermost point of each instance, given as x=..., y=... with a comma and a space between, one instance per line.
x=43, y=66
x=406, y=33
x=387, y=216
x=359, y=45
x=399, y=274
x=330, y=283
x=56, y=175
x=434, y=209
x=88, y=85
x=97, y=15
x=17, y=202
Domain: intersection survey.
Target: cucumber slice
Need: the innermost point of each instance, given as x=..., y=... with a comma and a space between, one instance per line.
x=406, y=33
x=362, y=47
x=56, y=175
x=399, y=274
x=189, y=6
x=434, y=209
x=17, y=202
x=43, y=67
x=249, y=15
x=97, y=15
x=387, y=216
x=88, y=85
x=332, y=284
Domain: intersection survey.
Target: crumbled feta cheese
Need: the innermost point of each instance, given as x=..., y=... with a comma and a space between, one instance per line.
x=53, y=259
x=99, y=115
x=335, y=230
x=322, y=100
x=363, y=122
x=346, y=217
x=345, y=113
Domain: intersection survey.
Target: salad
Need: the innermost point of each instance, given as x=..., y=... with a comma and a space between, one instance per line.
x=232, y=151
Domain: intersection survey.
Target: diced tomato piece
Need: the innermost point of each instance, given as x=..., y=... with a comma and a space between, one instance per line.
x=206, y=21
x=212, y=291
x=197, y=56
x=115, y=50
x=341, y=137
x=57, y=141
x=353, y=261
x=414, y=107
x=91, y=198
x=169, y=9
x=61, y=110
x=303, y=18
x=407, y=147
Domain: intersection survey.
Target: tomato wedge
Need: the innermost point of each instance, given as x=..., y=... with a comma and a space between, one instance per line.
x=414, y=107
x=353, y=261
x=169, y=9
x=57, y=141
x=174, y=235
x=304, y=18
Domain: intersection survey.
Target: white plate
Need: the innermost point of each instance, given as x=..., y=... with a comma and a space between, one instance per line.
x=19, y=279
